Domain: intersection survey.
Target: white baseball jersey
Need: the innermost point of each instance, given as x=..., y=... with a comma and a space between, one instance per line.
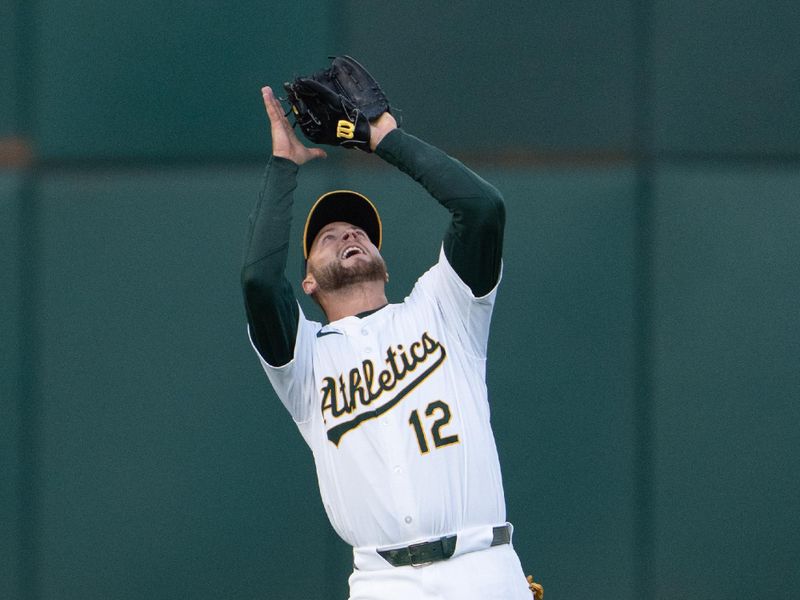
x=394, y=408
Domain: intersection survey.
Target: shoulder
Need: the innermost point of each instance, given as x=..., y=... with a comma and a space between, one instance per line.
x=442, y=275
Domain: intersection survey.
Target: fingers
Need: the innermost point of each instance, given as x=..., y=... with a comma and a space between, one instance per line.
x=274, y=108
x=278, y=122
x=284, y=140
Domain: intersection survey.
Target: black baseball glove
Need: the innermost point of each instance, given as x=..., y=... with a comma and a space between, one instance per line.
x=334, y=106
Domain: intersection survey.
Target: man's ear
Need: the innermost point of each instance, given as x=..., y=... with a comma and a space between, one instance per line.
x=309, y=284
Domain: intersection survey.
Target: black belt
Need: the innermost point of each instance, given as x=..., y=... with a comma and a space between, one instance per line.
x=436, y=550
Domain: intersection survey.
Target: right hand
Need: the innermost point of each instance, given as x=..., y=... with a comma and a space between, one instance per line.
x=285, y=142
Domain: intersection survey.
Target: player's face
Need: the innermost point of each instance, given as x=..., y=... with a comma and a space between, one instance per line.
x=342, y=254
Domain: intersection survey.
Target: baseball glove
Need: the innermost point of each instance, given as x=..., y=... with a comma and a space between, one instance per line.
x=334, y=106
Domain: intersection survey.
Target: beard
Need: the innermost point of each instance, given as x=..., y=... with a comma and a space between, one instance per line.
x=335, y=276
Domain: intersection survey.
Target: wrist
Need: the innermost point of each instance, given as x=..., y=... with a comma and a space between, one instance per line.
x=286, y=156
x=379, y=128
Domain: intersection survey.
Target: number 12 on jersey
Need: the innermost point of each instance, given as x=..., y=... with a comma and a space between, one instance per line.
x=437, y=406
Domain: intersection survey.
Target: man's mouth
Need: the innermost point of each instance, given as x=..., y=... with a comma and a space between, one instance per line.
x=351, y=251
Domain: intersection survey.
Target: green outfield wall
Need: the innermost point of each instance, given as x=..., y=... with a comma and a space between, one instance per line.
x=644, y=363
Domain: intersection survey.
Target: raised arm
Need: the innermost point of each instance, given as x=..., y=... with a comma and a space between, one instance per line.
x=344, y=106
x=473, y=242
x=272, y=311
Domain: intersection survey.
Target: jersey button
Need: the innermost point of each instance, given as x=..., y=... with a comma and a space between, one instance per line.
x=398, y=469
x=368, y=350
x=364, y=332
x=408, y=520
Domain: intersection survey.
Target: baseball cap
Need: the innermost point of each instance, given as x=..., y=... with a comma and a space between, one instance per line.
x=342, y=205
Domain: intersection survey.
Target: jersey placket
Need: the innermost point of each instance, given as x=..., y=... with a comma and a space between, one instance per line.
x=390, y=428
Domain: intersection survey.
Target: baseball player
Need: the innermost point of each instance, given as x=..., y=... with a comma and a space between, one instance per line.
x=390, y=397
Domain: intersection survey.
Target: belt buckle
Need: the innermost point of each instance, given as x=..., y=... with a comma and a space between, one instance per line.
x=412, y=553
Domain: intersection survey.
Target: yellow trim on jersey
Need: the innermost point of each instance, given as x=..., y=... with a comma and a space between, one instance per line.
x=336, y=432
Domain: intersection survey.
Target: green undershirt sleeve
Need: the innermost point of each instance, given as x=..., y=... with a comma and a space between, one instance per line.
x=270, y=303
x=473, y=241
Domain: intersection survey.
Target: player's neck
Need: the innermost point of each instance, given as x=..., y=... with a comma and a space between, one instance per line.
x=353, y=300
